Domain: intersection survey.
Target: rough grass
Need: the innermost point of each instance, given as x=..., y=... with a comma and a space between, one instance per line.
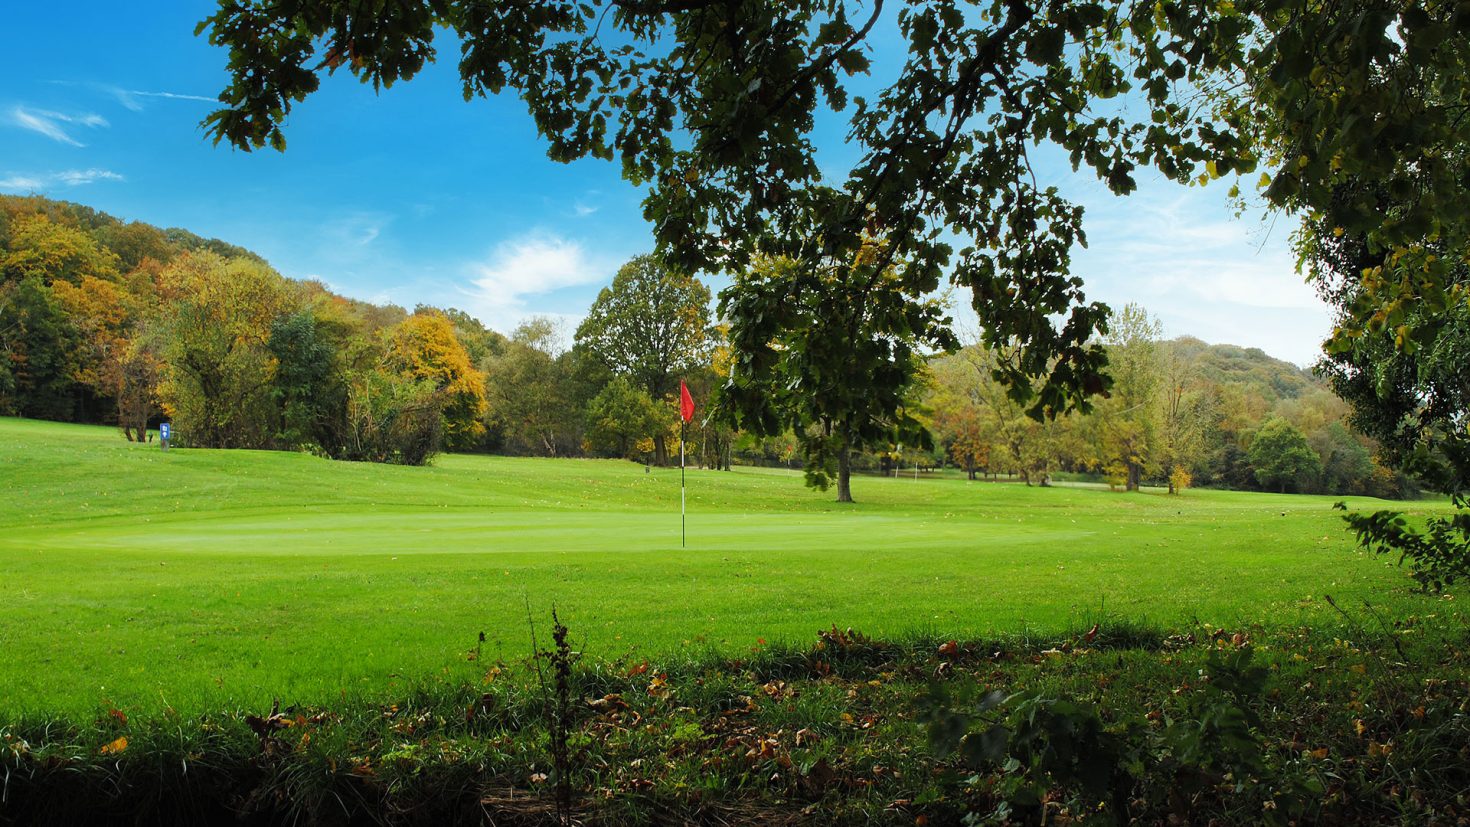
x=206, y=580
x=1374, y=731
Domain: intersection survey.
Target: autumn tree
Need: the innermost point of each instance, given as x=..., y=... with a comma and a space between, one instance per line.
x=214, y=332
x=9, y=339
x=141, y=372
x=42, y=249
x=713, y=422
x=392, y=417
x=103, y=316
x=961, y=417
x=1181, y=418
x=425, y=348
x=134, y=243
x=651, y=325
x=479, y=341
x=1130, y=415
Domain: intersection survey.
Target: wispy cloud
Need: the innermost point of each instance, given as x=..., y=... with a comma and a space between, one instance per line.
x=129, y=97
x=518, y=270
x=586, y=205
x=21, y=182
x=54, y=125
x=355, y=230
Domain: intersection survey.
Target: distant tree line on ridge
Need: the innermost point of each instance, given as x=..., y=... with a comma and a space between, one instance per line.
x=123, y=323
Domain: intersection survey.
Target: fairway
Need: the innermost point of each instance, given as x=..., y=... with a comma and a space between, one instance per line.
x=196, y=579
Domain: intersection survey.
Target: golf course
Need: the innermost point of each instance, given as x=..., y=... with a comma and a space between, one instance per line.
x=205, y=579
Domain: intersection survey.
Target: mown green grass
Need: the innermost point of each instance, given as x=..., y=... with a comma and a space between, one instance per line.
x=205, y=579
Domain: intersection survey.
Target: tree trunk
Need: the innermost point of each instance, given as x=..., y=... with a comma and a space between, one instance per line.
x=1135, y=472
x=660, y=451
x=844, y=472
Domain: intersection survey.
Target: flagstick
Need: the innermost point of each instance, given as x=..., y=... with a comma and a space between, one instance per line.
x=683, y=427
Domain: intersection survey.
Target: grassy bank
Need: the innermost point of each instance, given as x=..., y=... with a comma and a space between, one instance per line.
x=1347, y=725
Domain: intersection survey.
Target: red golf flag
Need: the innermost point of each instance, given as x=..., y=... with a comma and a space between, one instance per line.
x=686, y=402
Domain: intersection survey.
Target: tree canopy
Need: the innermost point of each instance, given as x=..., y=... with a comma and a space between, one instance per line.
x=651, y=324
x=830, y=352
x=712, y=105
x=1282, y=457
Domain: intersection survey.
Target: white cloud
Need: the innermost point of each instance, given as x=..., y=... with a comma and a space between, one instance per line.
x=517, y=270
x=21, y=183
x=52, y=180
x=74, y=177
x=1205, y=273
x=54, y=125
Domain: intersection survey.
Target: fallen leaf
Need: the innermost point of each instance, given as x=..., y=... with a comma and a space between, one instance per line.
x=115, y=747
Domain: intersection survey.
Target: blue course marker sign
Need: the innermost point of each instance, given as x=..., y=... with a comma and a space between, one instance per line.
x=163, y=431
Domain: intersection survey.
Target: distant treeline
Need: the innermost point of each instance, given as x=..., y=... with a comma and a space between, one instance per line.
x=1179, y=413
x=104, y=321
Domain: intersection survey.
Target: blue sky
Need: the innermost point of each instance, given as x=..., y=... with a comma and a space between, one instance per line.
x=414, y=196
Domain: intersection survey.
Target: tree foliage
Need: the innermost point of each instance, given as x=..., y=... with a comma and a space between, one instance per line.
x=623, y=420
x=1130, y=417
x=1208, y=404
x=532, y=392
x=1408, y=390
x=831, y=353
x=214, y=332
x=424, y=348
x=1282, y=457
x=650, y=325
x=309, y=382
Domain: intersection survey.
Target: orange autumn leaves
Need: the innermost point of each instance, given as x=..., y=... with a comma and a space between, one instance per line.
x=424, y=347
